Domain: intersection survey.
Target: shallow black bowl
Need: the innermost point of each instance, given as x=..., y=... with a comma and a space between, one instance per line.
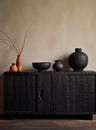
x=41, y=66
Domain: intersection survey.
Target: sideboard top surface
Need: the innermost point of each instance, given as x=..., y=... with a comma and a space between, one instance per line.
x=49, y=72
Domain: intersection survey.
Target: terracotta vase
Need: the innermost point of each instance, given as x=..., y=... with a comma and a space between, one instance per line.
x=19, y=63
x=13, y=68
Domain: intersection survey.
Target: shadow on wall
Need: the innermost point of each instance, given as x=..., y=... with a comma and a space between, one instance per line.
x=2, y=94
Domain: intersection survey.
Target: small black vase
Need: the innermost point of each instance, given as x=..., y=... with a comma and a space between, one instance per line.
x=58, y=65
x=78, y=60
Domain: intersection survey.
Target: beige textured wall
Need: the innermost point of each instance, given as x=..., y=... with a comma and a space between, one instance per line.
x=59, y=27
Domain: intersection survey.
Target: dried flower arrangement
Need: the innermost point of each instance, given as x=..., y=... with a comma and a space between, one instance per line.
x=6, y=39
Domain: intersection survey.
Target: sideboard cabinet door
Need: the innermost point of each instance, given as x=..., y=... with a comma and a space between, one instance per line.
x=82, y=91
x=73, y=93
x=20, y=94
x=60, y=94
x=44, y=93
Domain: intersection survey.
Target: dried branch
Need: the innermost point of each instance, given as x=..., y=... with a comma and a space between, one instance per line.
x=13, y=42
x=10, y=41
x=2, y=40
x=24, y=41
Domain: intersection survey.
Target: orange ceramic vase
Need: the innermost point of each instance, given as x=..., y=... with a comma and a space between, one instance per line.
x=19, y=63
x=13, y=68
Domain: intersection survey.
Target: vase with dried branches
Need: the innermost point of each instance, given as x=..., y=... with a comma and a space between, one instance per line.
x=6, y=39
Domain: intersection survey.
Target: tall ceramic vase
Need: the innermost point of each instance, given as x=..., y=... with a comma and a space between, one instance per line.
x=78, y=60
x=19, y=63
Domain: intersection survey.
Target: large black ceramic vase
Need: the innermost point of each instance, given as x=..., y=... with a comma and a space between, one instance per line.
x=58, y=65
x=78, y=60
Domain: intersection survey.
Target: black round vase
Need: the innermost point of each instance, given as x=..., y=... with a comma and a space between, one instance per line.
x=58, y=65
x=78, y=60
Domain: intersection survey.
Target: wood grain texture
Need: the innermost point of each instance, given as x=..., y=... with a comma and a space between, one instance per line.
x=48, y=124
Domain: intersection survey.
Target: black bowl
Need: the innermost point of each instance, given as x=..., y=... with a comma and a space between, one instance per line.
x=41, y=66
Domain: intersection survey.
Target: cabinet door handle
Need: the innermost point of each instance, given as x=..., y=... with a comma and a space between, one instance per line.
x=41, y=94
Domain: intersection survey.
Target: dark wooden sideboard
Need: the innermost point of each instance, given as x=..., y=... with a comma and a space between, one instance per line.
x=49, y=93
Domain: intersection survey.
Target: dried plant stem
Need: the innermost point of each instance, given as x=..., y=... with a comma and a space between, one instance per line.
x=5, y=42
x=10, y=41
x=24, y=41
x=15, y=42
x=6, y=39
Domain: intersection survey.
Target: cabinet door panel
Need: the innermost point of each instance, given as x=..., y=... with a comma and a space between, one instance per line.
x=44, y=85
x=73, y=94
x=22, y=94
x=60, y=98
x=25, y=93
x=82, y=93
x=8, y=94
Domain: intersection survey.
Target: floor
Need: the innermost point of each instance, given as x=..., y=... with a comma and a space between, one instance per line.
x=48, y=124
